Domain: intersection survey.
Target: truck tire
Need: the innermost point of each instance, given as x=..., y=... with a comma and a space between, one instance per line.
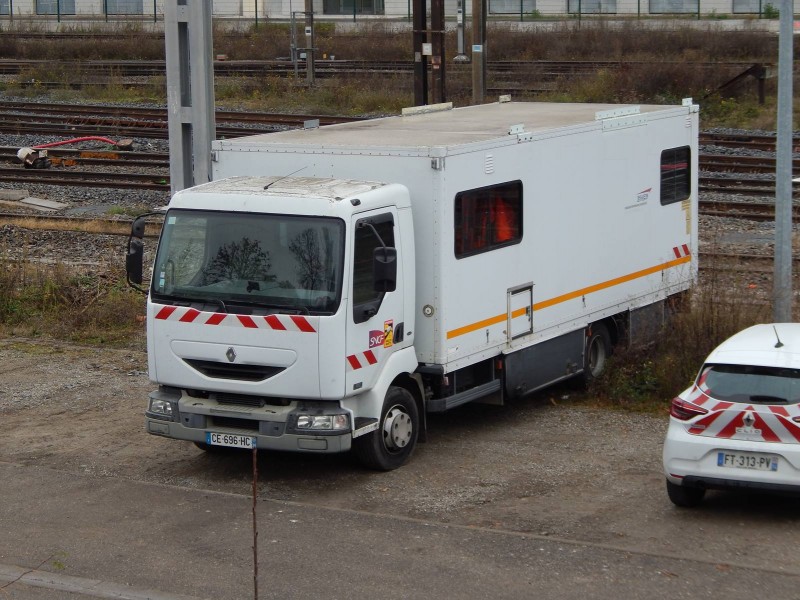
x=598, y=349
x=391, y=445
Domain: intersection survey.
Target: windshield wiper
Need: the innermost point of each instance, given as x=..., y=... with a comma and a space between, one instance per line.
x=769, y=400
x=174, y=299
x=237, y=301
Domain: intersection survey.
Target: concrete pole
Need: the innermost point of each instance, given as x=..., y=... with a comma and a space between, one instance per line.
x=461, y=56
x=309, y=31
x=782, y=291
x=438, y=59
x=190, y=91
x=478, y=51
x=420, y=27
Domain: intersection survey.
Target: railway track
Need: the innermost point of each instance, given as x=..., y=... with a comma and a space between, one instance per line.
x=751, y=211
x=518, y=77
x=18, y=118
x=744, y=186
x=747, y=142
x=155, y=68
x=740, y=263
x=23, y=109
x=106, y=179
x=725, y=163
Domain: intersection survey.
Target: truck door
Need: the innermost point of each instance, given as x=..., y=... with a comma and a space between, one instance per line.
x=520, y=305
x=375, y=323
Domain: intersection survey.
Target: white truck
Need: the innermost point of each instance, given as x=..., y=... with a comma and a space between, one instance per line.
x=333, y=285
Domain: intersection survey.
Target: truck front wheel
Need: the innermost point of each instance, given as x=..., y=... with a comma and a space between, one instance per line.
x=393, y=442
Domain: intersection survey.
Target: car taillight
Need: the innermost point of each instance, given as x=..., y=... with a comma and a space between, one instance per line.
x=683, y=410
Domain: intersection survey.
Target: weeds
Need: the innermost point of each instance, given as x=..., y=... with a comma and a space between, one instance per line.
x=770, y=12
x=648, y=378
x=657, y=67
x=79, y=303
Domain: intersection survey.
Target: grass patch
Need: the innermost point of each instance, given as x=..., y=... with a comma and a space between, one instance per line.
x=76, y=303
x=646, y=379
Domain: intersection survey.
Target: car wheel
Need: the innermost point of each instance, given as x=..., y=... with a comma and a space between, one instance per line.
x=393, y=442
x=685, y=497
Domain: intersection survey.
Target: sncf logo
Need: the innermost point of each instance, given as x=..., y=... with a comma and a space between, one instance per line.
x=376, y=338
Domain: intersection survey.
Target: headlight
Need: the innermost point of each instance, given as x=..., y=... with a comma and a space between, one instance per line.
x=325, y=422
x=161, y=407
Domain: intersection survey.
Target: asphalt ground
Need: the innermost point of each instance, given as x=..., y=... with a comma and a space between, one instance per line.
x=551, y=499
x=131, y=540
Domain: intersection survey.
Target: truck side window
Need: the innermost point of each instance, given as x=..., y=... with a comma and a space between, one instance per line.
x=488, y=218
x=365, y=298
x=676, y=173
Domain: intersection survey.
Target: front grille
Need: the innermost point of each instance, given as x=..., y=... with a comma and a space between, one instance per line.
x=220, y=370
x=239, y=399
x=233, y=423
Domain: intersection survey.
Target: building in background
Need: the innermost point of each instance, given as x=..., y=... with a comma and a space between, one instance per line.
x=282, y=9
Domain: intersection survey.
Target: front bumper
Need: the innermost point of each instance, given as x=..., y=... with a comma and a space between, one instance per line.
x=273, y=426
x=692, y=460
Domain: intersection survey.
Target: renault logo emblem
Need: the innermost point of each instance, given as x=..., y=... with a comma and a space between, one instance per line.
x=231, y=354
x=749, y=419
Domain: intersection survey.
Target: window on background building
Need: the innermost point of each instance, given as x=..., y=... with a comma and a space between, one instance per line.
x=55, y=7
x=592, y=7
x=673, y=6
x=5, y=7
x=124, y=7
x=352, y=7
x=676, y=171
x=488, y=218
x=511, y=7
x=750, y=7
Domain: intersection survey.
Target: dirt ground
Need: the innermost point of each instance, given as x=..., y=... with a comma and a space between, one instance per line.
x=551, y=465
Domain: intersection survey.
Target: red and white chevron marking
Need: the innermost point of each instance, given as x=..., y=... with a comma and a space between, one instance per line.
x=183, y=314
x=681, y=251
x=361, y=360
x=726, y=420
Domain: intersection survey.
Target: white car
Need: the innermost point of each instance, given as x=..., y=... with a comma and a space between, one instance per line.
x=738, y=425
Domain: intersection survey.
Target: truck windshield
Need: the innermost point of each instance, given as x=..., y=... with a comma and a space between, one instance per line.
x=274, y=263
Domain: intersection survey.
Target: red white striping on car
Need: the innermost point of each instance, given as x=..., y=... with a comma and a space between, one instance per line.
x=765, y=423
x=296, y=323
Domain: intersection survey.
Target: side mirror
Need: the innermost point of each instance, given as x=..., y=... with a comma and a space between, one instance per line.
x=135, y=255
x=133, y=260
x=384, y=269
x=137, y=227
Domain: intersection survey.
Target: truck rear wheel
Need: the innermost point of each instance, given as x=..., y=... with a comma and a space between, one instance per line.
x=598, y=349
x=391, y=445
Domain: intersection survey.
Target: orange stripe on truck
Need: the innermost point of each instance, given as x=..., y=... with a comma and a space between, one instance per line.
x=570, y=296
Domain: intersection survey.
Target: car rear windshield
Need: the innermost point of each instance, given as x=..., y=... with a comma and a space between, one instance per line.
x=751, y=384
